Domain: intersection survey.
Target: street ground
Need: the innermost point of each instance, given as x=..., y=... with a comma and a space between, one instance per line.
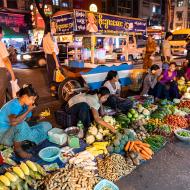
x=168, y=170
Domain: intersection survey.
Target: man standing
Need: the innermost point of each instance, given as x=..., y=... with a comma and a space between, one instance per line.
x=5, y=65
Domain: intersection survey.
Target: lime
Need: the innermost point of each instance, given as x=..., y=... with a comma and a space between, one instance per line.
x=129, y=115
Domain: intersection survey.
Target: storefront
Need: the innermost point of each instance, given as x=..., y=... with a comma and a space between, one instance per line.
x=14, y=28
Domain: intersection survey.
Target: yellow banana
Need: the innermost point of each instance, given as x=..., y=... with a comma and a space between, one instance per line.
x=31, y=165
x=25, y=168
x=13, y=178
x=17, y=170
x=5, y=180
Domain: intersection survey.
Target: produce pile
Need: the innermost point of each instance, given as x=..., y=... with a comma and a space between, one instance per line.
x=176, y=122
x=140, y=133
x=184, y=104
x=70, y=178
x=120, y=140
x=141, y=149
x=156, y=142
x=113, y=167
x=23, y=176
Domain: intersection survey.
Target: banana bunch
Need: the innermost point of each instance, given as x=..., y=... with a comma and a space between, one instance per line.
x=45, y=113
x=98, y=148
x=22, y=176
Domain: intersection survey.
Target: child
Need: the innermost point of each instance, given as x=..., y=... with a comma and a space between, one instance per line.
x=150, y=80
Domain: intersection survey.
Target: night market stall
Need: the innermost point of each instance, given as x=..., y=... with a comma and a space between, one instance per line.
x=91, y=44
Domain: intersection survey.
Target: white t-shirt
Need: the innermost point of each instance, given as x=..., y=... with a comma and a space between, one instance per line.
x=110, y=87
x=91, y=100
x=166, y=48
x=50, y=45
x=3, y=53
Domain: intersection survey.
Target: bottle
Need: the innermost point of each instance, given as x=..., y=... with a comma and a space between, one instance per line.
x=81, y=127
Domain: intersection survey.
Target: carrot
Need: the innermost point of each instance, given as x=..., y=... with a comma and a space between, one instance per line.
x=145, y=153
x=138, y=142
x=136, y=148
x=131, y=146
x=147, y=150
x=144, y=157
x=127, y=146
x=146, y=145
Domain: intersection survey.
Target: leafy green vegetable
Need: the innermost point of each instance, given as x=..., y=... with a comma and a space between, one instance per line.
x=156, y=142
x=184, y=134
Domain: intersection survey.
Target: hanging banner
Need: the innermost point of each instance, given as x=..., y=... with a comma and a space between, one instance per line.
x=63, y=24
x=13, y=21
x=104, y=23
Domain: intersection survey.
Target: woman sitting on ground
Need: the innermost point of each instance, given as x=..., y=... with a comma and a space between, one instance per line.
x=14, y=129
x=150, y=80
x=114, y=100
x=85, y=107
x=167, y=87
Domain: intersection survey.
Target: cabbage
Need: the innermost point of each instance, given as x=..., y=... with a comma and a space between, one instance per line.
x=109, y=119
x=99, y=136
x=93, y=130
x=90, y=139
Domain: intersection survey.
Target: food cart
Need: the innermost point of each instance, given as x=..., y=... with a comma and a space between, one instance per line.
x=96, y=43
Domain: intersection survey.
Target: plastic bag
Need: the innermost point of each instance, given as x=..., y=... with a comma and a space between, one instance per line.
x=58, y=76
x=15, y=88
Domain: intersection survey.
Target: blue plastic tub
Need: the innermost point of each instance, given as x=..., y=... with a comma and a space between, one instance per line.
x=105, y=183
x=49, y=154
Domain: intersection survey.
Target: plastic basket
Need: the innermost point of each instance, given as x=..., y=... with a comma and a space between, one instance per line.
x=105, y=183
x=63, y=119
x=57, y=136
x=49, y=154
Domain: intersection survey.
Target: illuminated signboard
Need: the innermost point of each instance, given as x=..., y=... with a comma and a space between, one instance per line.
x=63, y=24
x=104, y=23
x=14, y=21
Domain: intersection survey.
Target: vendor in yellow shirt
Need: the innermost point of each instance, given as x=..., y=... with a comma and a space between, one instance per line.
x=85, y=107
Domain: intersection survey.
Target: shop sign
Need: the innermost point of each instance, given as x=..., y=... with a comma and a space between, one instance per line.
x=104, y=23
x=14, y=21
x=63, y=24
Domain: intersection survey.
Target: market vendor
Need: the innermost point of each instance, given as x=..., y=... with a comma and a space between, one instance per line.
x=114, y=100
x=150, y=80
x=167, y=87
x=85, y=107
x=14, y=129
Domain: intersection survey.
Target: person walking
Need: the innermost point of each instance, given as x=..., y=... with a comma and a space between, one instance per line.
x=150, y=49
x=5, y=65
x=51, y=51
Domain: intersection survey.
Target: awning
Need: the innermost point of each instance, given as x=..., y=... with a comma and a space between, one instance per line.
x=10, y=33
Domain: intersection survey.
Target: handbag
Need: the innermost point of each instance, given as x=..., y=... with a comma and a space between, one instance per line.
x=15, y=88
x=58, y=76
